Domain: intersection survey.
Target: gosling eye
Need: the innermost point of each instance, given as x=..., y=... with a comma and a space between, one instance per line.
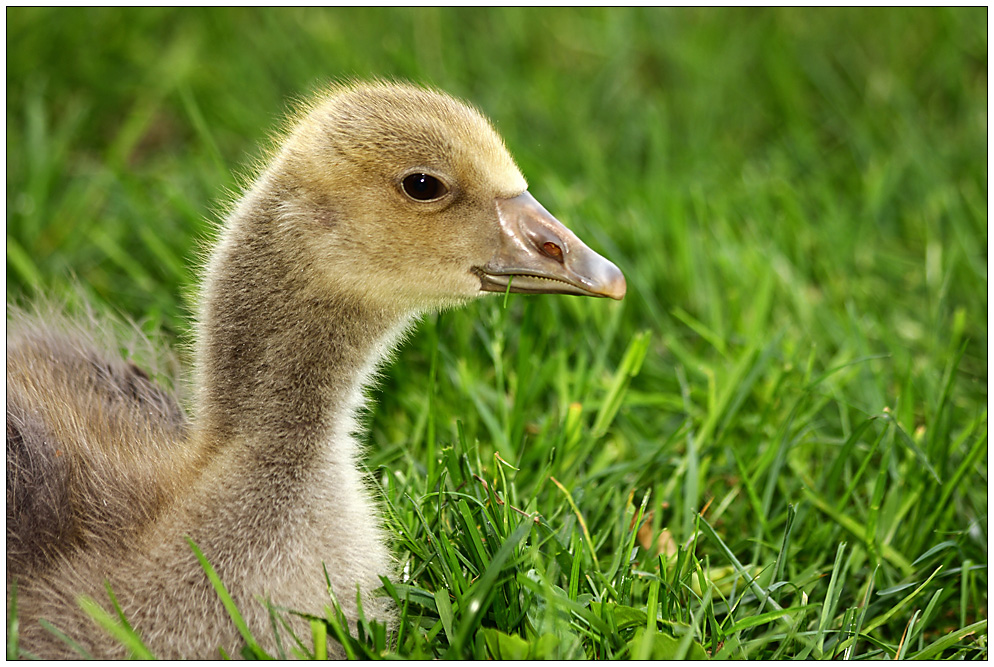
x=424, y=187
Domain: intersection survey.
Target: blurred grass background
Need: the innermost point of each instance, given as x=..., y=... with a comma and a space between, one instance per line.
x=798, y=199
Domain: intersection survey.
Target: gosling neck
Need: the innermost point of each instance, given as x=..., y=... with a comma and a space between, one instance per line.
x=282, y=359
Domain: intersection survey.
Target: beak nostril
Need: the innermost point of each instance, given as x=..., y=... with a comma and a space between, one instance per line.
x=553, y=251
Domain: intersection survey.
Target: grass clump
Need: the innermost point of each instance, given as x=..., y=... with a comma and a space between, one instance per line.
x=775, y=447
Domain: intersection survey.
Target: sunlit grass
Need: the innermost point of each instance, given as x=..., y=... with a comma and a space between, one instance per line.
x=777, y=443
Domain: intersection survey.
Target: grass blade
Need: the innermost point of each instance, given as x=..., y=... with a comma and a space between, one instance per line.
x=935, y=649
x=229, y=604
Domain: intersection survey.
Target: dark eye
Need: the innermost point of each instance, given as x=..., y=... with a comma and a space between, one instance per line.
x=424, y=187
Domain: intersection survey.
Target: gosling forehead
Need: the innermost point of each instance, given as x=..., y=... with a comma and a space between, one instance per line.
x=393, y=128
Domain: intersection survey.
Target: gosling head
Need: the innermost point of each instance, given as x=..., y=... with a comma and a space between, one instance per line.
x=409, y=197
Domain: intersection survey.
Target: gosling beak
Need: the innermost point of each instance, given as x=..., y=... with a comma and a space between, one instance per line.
x=539, y=255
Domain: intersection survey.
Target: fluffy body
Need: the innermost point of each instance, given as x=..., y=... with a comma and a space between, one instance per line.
x=317, y=272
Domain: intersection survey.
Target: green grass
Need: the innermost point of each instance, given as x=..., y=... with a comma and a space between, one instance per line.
x=792, y=398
